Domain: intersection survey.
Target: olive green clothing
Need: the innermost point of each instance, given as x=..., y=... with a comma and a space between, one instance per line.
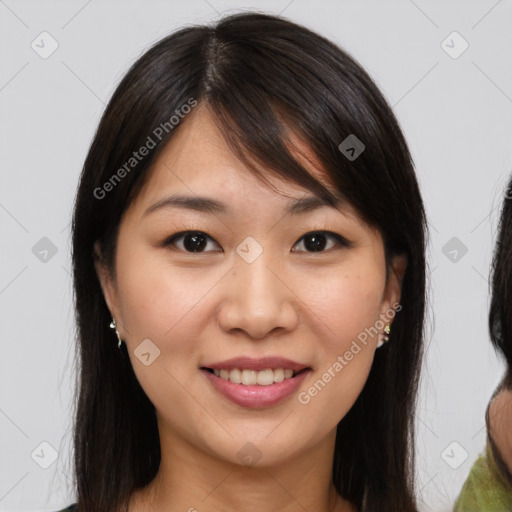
x=485, y=489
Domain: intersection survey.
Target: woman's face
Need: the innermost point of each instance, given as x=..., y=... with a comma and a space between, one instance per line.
x=251, y=286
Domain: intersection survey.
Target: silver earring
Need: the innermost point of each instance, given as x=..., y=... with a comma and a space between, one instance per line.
x=384, y=338
x=113, y=326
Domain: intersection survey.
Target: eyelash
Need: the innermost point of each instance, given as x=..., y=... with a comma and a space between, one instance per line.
x=340, y=240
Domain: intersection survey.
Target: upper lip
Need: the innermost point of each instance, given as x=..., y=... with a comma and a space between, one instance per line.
x=259, y=364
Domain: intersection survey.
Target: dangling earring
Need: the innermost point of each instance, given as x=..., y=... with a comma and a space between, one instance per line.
x=113, y=326
x=384, y=338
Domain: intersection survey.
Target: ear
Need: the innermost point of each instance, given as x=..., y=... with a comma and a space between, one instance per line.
x=393, y=290
x=107, y=283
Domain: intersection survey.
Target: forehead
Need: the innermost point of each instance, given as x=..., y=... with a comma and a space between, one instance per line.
x=197, y=161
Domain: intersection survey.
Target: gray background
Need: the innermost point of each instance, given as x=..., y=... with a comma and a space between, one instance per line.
x=455, y=112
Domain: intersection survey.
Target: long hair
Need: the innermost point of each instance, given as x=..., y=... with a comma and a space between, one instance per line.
x=500, y=312
x=262, y=76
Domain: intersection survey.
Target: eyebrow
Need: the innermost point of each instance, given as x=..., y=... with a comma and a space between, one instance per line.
x=213, y=206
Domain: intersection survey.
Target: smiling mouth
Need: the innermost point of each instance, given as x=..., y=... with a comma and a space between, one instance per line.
x=247, y=377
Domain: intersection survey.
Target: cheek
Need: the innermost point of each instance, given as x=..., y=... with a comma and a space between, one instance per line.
x=156, y=298
x=346, y=309
x=346, y=304
x=162, y=304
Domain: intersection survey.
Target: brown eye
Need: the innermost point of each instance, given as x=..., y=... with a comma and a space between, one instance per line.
x=316, y=241
x=193, y=241
x=197, y=241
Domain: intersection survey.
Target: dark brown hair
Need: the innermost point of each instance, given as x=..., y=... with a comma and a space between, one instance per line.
x=500, y=313
x=260, y=75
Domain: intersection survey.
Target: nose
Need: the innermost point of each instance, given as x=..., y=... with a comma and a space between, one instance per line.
x=257, y=300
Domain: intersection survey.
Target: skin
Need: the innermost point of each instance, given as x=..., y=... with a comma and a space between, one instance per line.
x=500, y=419
x=209, y=306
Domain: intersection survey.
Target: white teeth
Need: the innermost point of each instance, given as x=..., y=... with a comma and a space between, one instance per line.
x=265, y=378
x=235, y=376
x=279, y=375
x=252, y=377
x=249, y=377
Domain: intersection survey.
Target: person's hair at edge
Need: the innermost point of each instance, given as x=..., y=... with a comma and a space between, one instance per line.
x=260, y=75
x=500, y=312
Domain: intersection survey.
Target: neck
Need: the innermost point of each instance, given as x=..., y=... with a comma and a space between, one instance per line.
x=195, y=481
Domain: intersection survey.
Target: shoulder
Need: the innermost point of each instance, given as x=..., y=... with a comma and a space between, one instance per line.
x=483, y=489
x=71, y=508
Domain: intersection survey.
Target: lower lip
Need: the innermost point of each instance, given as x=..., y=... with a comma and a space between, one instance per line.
x=256, y=396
